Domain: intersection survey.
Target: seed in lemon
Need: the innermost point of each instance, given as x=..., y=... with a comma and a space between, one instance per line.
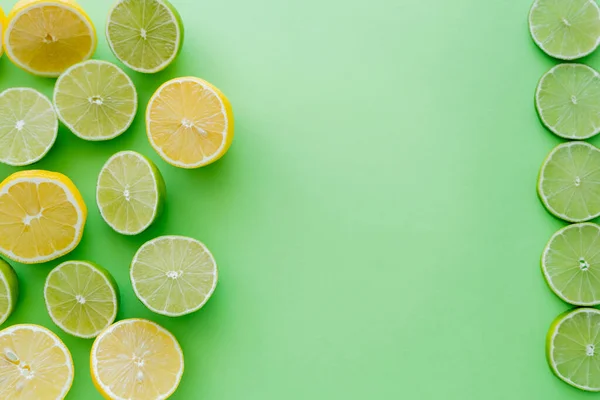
x=173, y=275
x=47, y=37
x=136, y=359
x=9, y=290
x=34, y=364
x=189, y=122
x=82, y=298
x=28, y=126
x=96, y=100
x=43, y=216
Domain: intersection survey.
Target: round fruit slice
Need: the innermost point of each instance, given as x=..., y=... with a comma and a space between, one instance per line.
x=34, y=364
x=569, y=182
x=568, y=101
x=136, y=359
x=9, y=290
x=96, y=100
x=81, y=298
x=43, y=216
x=189, y=123
x=145, y=35
x=573, y=348
x=47, y=37
x=130, y=192
x=3, y=22
x=571, y=264
x=29, y=126
x=565, y=29
x=173, y=275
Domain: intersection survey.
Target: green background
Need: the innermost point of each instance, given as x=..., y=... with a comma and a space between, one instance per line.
x=375, y=222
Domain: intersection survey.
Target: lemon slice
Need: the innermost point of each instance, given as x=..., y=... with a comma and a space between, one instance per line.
x=2, y=26
x=9, y=290
x=34, y=364
x=81, y=298
x=47, y=37
x=28, y=126
x=136, y=359
x=43, y=216
x=189, y=122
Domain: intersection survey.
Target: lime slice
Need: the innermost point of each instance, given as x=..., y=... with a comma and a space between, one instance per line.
x=96, y=100
x=569, y=182
x=29, y=126
x=565, y=29
x=145, y=35
x=571, y=264
x=81, y=298
x=9, y=290
x=130, y=192
x=568, y=101
x=573, y=348
x=173, y=275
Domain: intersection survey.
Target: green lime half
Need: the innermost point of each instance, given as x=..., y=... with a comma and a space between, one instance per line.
x=82, y=298
x=565, y=29
x=569, y=182
x=9, y=290
x=571, y=264
x=96, y=100
x=130, y=192
x=173, y=275
x=573, y=348
x=145, y=35
x=568, y=101
x=28, y=126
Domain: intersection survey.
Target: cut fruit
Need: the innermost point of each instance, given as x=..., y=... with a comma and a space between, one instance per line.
x=96, y=100
x=43, y=216
x=3, y=22
x=136, y=359
x=569, y=182
x=565, y=29
x=145, y=35
x=573, y=348
x=571, y=264
x=34, y=364
x=568, y=101
x=81, y=298
x=47, y=37
x=130, y=192
x=9, y=290
x=189, y=123
x=173, y=275
x=29, y=126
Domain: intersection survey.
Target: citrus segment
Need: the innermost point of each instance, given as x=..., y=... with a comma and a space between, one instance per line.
x=9, y=290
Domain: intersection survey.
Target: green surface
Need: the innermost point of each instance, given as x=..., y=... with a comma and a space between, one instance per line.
x=375, y=222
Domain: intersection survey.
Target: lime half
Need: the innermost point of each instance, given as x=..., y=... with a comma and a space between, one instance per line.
x=173, y=275
x=573, y=348
x=565, y=29
x=9, y=290
x=145, y=35
x=130, y=192
x=568, y=101
x=569, y=182
x=571, y=264
x=96, y=100
x=28, y=126
x=81, y=298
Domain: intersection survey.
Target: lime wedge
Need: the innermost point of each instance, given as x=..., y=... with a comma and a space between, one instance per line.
x=569, y=182
x=9, y=290
x=173, y=275
x=565, y=29
x=96, y=100
x=573, y=348
x=571, y=264
x=29, y=126
x=145, y=35
x=568, y=101
x=81, y=298
x=130, y=192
